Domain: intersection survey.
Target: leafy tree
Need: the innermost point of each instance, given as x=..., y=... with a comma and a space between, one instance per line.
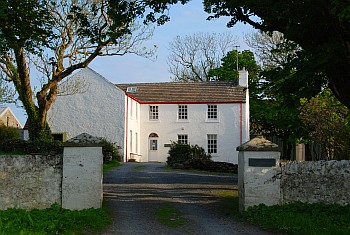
x=321, y=28
x=57, y=37
x=327, y=122
x=6, y=93
x=192, y=57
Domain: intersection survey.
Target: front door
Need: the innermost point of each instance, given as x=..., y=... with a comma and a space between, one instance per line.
x=153, y=149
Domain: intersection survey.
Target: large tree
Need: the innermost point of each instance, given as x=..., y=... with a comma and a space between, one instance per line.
x=193, y=56
x=57, y=37
x=320, y=27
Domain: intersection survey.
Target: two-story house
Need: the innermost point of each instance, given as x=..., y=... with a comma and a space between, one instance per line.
x=213, y=115
x=143, y=119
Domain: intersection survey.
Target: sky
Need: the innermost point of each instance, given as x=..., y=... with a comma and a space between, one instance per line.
x=184, y=20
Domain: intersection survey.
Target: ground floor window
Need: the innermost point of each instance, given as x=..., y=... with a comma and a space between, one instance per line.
x=212, y=143
x=183, y=139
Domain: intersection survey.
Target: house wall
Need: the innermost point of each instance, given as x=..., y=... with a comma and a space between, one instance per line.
x=133, y=132
x=231, y=117
x=9, y=119
x=98, y=109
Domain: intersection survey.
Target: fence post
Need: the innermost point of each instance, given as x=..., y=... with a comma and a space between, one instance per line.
x=82, y=173
x=258, y=173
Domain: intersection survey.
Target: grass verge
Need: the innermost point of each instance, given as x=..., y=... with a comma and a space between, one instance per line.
x=114, y=163
x=53, y=220
x=170, y=216
x=294, y=218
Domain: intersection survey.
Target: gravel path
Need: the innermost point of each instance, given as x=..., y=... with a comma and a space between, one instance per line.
x=135, y=191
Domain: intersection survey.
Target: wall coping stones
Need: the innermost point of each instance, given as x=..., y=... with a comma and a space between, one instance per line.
x=84, y=140
x=259, y=143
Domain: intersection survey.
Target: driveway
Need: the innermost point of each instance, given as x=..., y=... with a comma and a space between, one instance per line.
x=135, y=191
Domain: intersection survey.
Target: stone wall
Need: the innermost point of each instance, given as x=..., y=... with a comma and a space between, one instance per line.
x=320, y=181
x=30, y=181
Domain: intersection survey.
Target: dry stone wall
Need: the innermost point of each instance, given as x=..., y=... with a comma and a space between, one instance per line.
x=321, y=181
x=30, y=181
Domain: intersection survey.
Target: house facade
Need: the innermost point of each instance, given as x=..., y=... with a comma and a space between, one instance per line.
x=8, y=118
x=89, y=104
x=144, y=118
x=213, y=115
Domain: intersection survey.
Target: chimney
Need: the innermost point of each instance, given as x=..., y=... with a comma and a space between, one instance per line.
x=243, y=78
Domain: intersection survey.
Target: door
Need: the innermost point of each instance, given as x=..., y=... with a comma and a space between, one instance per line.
x=153, y=147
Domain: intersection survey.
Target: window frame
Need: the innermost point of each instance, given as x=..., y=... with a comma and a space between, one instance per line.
x=212, y=112
x=182, y=112
x=182, y=138
x=153, y=112
x=212, y=143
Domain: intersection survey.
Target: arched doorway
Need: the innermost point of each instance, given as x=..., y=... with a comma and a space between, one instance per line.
x=153, y=147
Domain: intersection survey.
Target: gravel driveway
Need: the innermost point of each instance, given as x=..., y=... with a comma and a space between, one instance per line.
x=135, y=191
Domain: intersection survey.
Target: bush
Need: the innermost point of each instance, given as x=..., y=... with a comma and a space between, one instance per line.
x=29, y=147
x=110, y=151
x=181, y=154
x=8, y=133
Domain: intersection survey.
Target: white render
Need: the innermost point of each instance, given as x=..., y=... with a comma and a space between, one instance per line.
x=258, y=185
x=98, y=110
x=231, y=128
x=82, y=178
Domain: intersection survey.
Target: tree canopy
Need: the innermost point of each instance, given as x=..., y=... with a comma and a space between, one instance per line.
x=57, y=37
x=320, y=27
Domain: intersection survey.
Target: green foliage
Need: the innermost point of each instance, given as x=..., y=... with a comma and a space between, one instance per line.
x=181, y=153
x=301, y=218
x=327, y=122
x=8, y=133
x=108, y=149
x=54, y=220
x=28, y=147
x=320, y=29
x=112, y=164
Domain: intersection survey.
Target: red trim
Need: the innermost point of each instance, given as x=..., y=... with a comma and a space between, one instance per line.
x=126, y=129
x=240, y=124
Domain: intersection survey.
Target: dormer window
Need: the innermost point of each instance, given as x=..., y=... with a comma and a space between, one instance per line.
x=131, y=89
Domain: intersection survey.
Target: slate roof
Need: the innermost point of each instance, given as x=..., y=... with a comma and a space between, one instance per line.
x=186, y=92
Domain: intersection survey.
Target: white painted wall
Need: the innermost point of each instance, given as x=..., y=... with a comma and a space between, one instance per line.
x=98, y=111
x=196, y=127
x=133, y=132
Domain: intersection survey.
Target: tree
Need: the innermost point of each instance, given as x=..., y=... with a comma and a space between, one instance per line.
x=321, y=28
x=271, y=49
x=58, y=37
x=327, y=122
x=192, y=57
x=6, y=93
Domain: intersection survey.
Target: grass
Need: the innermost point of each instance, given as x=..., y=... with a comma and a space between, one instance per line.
x=294, y=218
x=54, y=220
x=114, y=163
x=170, y=216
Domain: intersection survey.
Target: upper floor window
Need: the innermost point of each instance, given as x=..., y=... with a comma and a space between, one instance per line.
x=153, y=112
x=212, y=143
x=182, y=112
x=183, y=139
x=212, y=111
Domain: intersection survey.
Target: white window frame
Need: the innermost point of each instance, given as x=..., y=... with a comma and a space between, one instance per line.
x=182, y=113
x=182, y=138
x=212, y=112
x=212, y=143
x=153, y=112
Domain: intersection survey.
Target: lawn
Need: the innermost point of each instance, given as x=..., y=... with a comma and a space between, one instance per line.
x=294, y=218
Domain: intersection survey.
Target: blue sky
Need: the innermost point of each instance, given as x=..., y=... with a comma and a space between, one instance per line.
x=185, y=20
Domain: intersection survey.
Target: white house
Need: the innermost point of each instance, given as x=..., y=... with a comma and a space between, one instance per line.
x=214, y=115
x=145, y=118
x=97, y=108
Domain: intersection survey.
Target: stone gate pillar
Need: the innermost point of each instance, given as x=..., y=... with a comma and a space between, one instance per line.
x=82, y=173
x=258, y=173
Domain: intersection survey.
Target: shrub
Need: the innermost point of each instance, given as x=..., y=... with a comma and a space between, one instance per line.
x=183, y=153
x=110, y=149
x=8, y=133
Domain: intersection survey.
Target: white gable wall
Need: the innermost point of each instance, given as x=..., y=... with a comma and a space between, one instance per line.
x=231, y=128
x=99, y=111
